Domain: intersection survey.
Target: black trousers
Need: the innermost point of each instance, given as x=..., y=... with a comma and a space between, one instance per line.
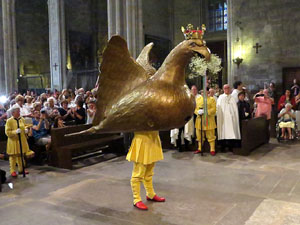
x=178, y=141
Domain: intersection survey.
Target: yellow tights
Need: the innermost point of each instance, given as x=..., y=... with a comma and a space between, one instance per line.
x=211, y=137
x=142, y=173
x=13, y=160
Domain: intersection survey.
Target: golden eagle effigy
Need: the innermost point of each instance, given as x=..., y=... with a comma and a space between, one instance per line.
x=133, y=96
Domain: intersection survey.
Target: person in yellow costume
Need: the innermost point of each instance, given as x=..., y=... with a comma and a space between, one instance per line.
x=208, y=126
x=144, y=152
x=13, y=146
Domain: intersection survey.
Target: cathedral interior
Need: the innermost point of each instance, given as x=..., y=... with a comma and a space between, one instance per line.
x=48, y=45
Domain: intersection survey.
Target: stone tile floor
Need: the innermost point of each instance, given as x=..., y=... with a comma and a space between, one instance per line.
x=261, y=189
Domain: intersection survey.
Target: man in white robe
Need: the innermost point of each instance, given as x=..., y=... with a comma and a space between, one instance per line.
x=238, y=88
x=227, y=119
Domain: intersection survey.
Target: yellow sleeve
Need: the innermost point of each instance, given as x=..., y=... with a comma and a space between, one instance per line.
x=211, y=111
x=199, y=104
x=9, y=130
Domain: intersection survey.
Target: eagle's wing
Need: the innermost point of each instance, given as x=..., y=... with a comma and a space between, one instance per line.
x=120, y=74
x=144, y=61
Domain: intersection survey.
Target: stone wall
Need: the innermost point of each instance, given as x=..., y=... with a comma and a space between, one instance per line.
x=274, y=24
x=32, y=37
x=156, y=18
x=86, y=22
x=185, y=12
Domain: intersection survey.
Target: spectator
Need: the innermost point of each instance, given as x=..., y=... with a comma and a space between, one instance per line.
x=79, y=94
x=284, y=99
x=37, y=106
x=33, y=94
x=58, y=122
x=43, y=98
x=29, y=103
x=295, y=88
x=218, y=91
x=40, y=129
x=51, y=109
x=91, y=111
x=272, y=91
x=297, y=101
x=238, y=87
x=23, y=110
x=264, y=108
x=213, y=94
x=264, y=104
x=243, y=107
x=78, y=112
x=3, y=115
x=287, y=121
x=64, y=95
x=64, y=111
x=94, y=92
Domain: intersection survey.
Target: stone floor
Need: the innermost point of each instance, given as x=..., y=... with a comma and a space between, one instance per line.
x=262, y=189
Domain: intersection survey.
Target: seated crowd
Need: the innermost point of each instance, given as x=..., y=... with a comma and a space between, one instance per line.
x=50, y=110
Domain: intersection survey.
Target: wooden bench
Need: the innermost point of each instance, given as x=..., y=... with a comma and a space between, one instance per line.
x=254, y=134
x=3, y=140
x=63, y=147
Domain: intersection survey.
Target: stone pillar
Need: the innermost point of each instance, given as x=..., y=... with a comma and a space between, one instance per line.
x=230, y=40
x=57, y=44
x=141, y=36
x=119, y=16
x=2, y=74
x=10, y=62
x=111, y=8
x=125, y=19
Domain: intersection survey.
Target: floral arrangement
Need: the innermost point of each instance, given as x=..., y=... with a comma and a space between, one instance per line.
x=199, y=66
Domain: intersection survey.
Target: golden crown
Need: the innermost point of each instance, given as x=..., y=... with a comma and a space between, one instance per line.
x=190, y=33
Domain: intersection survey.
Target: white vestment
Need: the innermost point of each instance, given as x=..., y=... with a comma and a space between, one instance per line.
x=235, y=95
x=227, y=118
x=188, y=133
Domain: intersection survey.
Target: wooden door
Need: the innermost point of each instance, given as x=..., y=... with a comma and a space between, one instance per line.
x=288, y=75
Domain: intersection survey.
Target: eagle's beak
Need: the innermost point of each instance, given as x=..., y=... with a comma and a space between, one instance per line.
x=203, y=51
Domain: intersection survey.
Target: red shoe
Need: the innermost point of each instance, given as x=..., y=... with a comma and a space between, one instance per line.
x=197, y=152
x=26, y=172
x=14, y=174
x=156, y=199
x=213, y=153
x=140, y=205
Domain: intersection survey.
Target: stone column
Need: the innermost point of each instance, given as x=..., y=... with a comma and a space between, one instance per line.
x=125, y=19
x=9, y=46
x=57, y=44
x=141, y=36
x=119, y=16
x=111, y=8
x=135, y=34
x=2, y=74
x=230, y=40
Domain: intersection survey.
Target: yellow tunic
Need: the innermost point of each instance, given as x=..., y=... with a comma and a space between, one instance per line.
x=211, y=110
x=13, y=146
x=145, y=148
